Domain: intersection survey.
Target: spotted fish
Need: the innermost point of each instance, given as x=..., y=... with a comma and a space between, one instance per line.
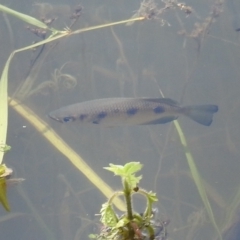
x=132, y=111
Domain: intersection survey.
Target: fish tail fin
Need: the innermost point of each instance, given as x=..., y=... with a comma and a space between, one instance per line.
x=202, y=114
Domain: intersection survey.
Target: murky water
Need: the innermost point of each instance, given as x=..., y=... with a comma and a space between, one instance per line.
x=190, y=57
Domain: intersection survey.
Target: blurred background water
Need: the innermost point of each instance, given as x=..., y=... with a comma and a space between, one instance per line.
x=56, y=201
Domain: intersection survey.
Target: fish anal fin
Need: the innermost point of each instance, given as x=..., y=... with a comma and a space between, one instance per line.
x=161, y=120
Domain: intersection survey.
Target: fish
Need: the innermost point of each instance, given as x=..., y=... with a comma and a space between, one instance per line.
x=112, y=112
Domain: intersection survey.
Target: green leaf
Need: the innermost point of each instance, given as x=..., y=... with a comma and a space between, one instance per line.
x=3, y=110
x=122, y=222
x=93, y=236
x=132, y=167
x=116, y=169
x=133, y=181
x=24, y=17
x=5, y=171
x=5, y=148
x=152, y=196
x=3, y=194
x=127, y=172
x=108, y=216
x=127, y=169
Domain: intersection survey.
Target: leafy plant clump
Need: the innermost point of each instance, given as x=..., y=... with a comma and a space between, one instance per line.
x=130, y=225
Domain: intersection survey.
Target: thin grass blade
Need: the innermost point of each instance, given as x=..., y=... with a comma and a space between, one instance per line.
x=3, y=194
x=24, y=17
x=4, y=108
x=196, y=177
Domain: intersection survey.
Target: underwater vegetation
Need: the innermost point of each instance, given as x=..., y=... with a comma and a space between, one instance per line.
x=66, y=65
x=131, y=225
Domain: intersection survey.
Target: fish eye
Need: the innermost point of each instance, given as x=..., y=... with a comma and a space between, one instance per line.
x=68, y=119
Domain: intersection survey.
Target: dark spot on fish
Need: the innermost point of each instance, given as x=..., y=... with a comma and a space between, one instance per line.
x=132, y=111
x=116, y=110
x=101, y=115
x=82, y=117
x=68, y=119
x=159, y=109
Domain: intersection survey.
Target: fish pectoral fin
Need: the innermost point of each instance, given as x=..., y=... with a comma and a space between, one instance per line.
x=161, y=120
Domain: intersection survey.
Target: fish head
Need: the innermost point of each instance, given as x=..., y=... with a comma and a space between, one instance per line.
x=61, y=119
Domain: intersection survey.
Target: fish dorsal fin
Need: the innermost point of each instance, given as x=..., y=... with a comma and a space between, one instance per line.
x=163, y=100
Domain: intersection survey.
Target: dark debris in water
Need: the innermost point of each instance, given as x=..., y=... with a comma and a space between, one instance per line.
x=150, y=9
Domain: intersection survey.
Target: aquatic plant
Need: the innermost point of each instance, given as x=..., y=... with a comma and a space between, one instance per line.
x=55, y=35
x=130, y=225
x=148, y=10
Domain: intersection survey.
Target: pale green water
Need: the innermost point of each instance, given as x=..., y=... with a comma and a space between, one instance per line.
x=155, y=56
